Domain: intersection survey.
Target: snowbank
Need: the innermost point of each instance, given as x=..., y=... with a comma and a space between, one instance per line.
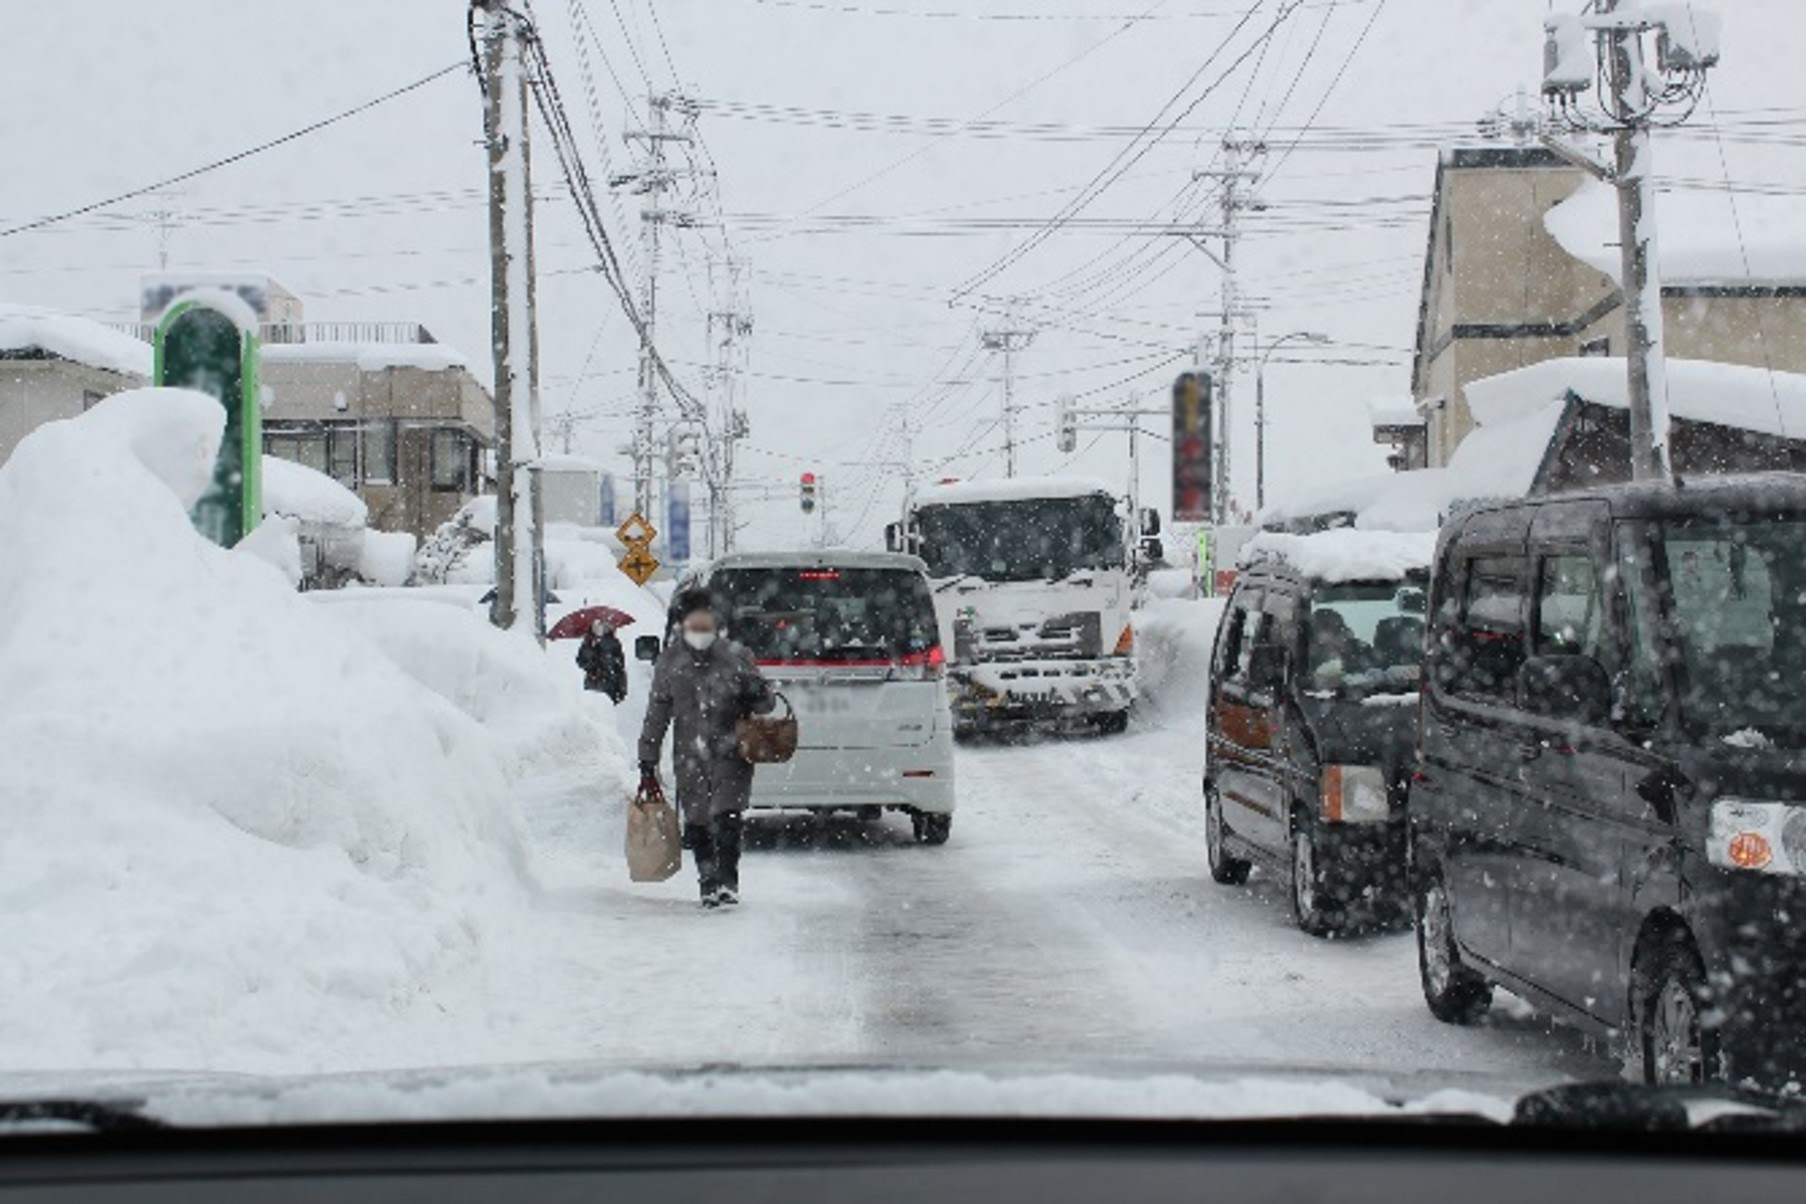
x=1173, y=641
x=1346, y=554
x=26, y=328
x=387, y=557
x=311, y=496
x=237, y=827
x=1012, y=489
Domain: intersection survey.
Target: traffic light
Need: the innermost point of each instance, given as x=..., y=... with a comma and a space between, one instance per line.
x=1068, y=435
x=808, y=496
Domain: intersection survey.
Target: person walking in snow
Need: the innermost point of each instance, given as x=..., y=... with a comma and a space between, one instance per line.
x=603, y=662
x=702, y=684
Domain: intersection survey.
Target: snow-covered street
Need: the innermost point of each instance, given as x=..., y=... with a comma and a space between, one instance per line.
x=1069, y=918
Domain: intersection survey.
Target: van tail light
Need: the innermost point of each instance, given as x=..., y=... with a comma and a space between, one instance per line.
x=1125, y=643
x=930, y=664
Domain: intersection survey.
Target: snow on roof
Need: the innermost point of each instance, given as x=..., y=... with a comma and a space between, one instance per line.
x=1012, y=489
x=225, y=301
x=301, y=492
x=1752, y=399
x=370, y=357
x=1346, y=554
x=1394, y=411
x=1703, y=240
x=78, y=340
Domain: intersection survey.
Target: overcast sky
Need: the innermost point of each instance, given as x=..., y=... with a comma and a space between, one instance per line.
x=813, y=112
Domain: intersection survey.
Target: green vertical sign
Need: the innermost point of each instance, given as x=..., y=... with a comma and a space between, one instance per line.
x=201, y=347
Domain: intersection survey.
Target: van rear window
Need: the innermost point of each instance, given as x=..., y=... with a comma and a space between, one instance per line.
x=827, y=614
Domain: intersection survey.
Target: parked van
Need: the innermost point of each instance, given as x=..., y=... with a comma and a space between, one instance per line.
x=1312, y=699
x=1610, y=813
x=851, y=639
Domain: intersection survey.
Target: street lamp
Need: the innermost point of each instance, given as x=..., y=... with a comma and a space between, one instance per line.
x=1260, y=409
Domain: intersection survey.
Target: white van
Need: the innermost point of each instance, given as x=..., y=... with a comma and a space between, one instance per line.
x=850, y=638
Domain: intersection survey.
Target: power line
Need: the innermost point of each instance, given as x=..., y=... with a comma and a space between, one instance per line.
x=238, y=157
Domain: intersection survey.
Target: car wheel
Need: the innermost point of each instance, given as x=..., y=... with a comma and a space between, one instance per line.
x=1224, y=869
x=1677, y=1045
x=931, y=829
x=1454, y=993
x=1111, y=723
x=1312, y=905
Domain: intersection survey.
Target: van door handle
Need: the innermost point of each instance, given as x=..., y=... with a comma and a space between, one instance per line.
x=1529, y=750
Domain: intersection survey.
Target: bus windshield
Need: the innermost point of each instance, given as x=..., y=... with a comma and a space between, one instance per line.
x=1034, y=539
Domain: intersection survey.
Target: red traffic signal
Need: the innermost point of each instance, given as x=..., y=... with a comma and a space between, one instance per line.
x=808, y=478
x=808, y=495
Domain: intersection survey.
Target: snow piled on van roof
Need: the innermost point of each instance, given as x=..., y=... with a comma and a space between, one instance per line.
x=1345, y=554
x=1012, y=489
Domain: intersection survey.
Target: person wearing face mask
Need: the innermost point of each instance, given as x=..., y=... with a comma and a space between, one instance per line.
x=702, y=684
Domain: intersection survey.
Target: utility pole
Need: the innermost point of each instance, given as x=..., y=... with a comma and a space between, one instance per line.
x=652, y=181
x=1687, y=48
x=727, y=326
x=1009, y=339
x=1236, y=182
x=518, y=556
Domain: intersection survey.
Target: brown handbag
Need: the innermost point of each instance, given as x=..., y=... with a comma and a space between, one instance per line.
x=767, y=740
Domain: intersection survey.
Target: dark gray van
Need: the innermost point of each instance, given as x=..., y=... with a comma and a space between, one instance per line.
x=1311, y=715
x=1609, y=813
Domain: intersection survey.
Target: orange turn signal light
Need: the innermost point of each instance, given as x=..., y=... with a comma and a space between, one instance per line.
x=1125, y=643
x=1750, y=851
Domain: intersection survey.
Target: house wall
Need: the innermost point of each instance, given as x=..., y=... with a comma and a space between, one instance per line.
x=1499, y=287
x=1727, y=325
x=36, y=391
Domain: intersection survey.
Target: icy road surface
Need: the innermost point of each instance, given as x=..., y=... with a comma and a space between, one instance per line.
x=1068, y=923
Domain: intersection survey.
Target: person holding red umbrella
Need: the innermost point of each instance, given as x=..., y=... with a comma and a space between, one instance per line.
x=603, y=662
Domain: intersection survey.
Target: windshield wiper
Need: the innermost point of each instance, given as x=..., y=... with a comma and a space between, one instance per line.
x=95, y=1115
x=954, y=580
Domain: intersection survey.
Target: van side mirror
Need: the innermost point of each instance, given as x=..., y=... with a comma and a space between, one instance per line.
x=893, y=537
x=1266, y=667
x=1575, y=688
x=1150, y=522
x=1153, y=551
x=645, y=648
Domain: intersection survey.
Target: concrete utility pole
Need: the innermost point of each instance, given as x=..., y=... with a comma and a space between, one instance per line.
x=1642, y=281
x=518, y=553
x=653, y=180
x=727, y=327
x=1237, y=182
x=1009, y=339
x=1687, y=45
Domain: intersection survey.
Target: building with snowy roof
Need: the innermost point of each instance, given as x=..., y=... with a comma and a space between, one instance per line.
x=55, y=365
x=1564, y=424
x=1521, y=267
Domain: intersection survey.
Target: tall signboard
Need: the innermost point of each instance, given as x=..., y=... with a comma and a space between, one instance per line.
x=1191, y=448
x=201, y=345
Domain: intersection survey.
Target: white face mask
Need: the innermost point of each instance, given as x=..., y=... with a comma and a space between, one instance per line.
x=699, y=640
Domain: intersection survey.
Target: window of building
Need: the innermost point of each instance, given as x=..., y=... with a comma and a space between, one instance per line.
x=341, y=454
x=379, y=452
x=452, y=469
x=301, y=447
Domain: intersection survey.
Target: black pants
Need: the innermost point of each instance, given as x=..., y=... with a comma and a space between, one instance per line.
x=716, y=847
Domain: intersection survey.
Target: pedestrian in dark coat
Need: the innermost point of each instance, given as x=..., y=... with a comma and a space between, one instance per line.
x=603, y=662
x=702, y=685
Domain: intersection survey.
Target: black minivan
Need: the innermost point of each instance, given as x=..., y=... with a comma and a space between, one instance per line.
x=1609, y=814
x=1313, y=689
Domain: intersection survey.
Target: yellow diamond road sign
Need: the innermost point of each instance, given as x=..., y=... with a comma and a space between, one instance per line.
x=636, y=531
x=639, y=564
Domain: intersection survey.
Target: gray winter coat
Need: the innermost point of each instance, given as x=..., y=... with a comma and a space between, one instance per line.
x=702, y=694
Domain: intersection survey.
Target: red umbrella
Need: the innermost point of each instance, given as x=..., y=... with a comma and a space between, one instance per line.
x=576, y=624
